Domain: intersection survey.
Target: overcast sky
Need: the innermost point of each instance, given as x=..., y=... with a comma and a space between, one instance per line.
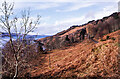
x=58, y=15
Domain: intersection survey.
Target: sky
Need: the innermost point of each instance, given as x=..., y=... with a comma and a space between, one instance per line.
x=59, y=15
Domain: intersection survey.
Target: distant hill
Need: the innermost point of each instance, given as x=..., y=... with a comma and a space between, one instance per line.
x=2, y=34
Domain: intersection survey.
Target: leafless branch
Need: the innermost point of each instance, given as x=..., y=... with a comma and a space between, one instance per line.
x=27, y=25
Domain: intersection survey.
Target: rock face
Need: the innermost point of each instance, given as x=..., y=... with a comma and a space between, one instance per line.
x=95, y=29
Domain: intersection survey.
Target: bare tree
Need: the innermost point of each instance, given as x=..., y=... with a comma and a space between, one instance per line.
x=22, y=27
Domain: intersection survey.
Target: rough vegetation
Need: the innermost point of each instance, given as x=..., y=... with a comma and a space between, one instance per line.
x=81, y=60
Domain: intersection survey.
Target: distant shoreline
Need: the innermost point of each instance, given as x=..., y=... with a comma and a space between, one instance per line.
x=4, y=39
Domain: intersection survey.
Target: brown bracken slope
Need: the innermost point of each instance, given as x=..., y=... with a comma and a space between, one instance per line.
x=95, y=28
x=84, y=59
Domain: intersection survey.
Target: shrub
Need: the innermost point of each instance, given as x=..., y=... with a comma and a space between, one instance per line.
x=113, y=38
x=108, y=37
x=103, y=40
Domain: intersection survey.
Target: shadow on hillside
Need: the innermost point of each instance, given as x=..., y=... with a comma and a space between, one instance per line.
x=94, y=41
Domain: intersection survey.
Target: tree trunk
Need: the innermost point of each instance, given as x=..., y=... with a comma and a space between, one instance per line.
x=16, y=67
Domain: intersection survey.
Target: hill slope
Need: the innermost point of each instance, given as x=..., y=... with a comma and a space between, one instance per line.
x=85, y=59
x=94, y=28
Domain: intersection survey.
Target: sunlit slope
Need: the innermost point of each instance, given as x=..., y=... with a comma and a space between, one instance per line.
x=82, y=59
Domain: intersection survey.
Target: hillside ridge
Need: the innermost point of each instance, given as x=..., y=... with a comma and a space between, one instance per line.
x=95, y=29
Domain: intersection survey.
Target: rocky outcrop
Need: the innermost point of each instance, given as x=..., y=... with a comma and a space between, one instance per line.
x=95, y=29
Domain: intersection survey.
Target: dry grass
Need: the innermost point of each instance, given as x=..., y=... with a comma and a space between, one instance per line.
x=84, y=59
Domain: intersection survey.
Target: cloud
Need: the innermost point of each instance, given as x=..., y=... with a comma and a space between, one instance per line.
x=106, y=11
x=46, y=5
x=60, y=25
x=69, y=20
x=42, y=1
x=65, y=23
x=62, y=1
x=76, y=6
x=35, y=6
x=23, y=4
